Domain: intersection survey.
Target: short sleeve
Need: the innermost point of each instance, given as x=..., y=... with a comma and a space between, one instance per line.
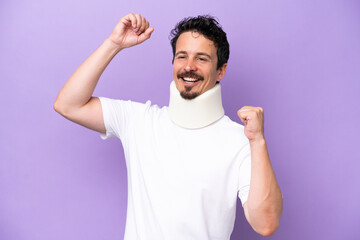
x=120, y=116
x=114, y=117
x=244, y=174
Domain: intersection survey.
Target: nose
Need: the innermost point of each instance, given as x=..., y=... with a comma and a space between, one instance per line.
x=190, y=65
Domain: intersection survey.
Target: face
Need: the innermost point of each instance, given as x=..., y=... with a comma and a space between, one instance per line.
x=194, y=67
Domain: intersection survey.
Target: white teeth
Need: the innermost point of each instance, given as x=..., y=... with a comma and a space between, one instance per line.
x=190, y=79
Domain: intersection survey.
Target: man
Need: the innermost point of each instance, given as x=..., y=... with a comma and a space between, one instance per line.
x=187, y=163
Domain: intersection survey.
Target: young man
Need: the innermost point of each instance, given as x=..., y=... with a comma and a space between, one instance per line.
x=187, y=163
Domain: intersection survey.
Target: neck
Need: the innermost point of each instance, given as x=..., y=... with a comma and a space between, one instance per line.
x=199, y=112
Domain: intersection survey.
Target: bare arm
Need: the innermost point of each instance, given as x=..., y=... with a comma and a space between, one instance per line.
x=75, y=101
x=264, y=205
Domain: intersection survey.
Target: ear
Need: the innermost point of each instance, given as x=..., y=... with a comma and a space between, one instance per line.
x=221, y=72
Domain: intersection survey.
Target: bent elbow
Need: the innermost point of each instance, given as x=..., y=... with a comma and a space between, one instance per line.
x=56, y=108
x=269, y=230
x=61, y=109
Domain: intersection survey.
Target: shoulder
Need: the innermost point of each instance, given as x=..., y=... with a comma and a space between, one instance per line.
x=129, y=103
x=231, y=125
x=131, y=107
x=233, y=130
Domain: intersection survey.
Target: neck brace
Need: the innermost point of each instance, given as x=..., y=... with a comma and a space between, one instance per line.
x=199, y=112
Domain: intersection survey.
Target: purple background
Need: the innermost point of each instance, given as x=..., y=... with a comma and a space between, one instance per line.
x=299, y=60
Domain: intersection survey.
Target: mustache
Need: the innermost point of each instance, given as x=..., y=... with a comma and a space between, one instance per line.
x=190, y=75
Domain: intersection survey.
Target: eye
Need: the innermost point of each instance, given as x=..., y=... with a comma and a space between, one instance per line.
x=202, y=59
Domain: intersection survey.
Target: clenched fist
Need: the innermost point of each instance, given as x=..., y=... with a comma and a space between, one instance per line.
x=131, y=30
x=253, y=118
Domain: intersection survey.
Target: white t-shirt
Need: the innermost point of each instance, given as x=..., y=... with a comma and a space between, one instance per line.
x=183, y=184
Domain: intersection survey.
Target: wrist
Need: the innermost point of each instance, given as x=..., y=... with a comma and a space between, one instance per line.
x=260, y=141
x=113, y=46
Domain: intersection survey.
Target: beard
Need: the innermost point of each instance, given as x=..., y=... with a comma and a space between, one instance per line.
x=187, y=94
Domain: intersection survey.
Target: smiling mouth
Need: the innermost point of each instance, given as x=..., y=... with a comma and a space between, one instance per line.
x=190, y=80
x=190, y=77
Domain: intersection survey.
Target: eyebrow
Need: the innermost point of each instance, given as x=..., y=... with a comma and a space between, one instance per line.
x=198, y=54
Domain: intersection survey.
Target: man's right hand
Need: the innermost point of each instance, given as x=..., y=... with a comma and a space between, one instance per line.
x=131, y=30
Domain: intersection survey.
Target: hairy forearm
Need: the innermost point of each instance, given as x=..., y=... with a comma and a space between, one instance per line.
x=264, y=205
x=78, y=90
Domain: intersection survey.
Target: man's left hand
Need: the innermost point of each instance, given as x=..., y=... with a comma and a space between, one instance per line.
x=253, y=118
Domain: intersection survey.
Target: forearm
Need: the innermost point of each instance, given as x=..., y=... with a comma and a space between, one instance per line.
x=264, y=203
x=78, y=90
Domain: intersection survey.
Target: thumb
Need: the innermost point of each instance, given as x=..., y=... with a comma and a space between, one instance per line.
x=146, y=35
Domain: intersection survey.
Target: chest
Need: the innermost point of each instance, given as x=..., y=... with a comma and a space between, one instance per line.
x=185, y=158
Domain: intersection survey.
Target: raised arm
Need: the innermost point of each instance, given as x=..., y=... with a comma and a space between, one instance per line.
x=75, y=101
x=264, y=205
